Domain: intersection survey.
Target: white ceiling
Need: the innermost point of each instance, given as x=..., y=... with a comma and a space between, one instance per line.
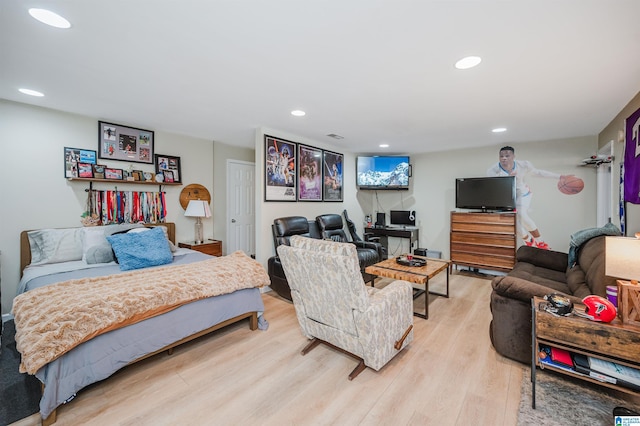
x=373, y=71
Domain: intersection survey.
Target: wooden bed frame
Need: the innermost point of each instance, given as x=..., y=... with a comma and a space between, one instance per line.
x=25, y=260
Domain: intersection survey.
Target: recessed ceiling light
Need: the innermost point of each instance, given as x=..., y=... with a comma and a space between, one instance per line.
x=499, y=130
x=468, y=62
x=384, y=145
x=298, y=113
x=31, y=92
x=50, y=18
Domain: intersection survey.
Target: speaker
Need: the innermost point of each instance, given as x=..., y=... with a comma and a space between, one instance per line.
x=412, y=215
x=381, y=219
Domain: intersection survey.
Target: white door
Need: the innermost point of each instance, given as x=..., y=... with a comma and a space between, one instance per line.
x=604, y=192
x=241, y=209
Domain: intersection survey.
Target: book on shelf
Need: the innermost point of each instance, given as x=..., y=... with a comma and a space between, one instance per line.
x=546, y=358
x=624, y=376
x=581, y=363
x=561, y=356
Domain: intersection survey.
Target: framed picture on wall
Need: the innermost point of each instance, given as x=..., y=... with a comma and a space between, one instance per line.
x=280, y=181
x=122, y=143
x=73, y=156
x=309, y=173
x=115, y=174
x=332, y=171
x=98, y=171
x=85, y=170
x=170, y=163
x=168, y=176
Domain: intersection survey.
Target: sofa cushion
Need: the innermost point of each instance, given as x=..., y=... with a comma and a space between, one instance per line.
x=546, y=277
x=591, y=259
x=577, y=283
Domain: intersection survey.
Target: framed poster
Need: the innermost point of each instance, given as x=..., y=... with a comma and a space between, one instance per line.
x=332, y=176
x=98, y=171
x=280, y=169
x=122, y=143
x=115, y=174
x=309, y=173
x=165, y=163
x=73, y=156
x=632, y=159
x=85, y=170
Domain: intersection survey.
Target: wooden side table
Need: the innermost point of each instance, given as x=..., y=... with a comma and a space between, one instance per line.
x=614, y=342
x=212, y=247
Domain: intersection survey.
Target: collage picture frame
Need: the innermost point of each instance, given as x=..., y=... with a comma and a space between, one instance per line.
x=74, y=157
x=169, y=167
x=123, y=143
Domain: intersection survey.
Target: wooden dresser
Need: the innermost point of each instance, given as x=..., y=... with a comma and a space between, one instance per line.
x=483, y=240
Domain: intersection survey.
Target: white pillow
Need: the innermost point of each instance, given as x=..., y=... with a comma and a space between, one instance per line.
x=55, y=245
x=96, y=235
x=93, y=236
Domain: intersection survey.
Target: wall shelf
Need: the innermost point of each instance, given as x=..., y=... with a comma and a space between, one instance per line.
x=118, y=181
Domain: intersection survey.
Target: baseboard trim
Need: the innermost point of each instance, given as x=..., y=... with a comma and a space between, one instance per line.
x=7, y=317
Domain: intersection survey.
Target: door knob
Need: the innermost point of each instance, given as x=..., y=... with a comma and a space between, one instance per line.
x=233, y=221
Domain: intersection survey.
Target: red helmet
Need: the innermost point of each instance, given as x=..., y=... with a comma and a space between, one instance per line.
x=599, y=309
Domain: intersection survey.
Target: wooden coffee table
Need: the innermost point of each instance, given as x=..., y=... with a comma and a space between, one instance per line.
x=414, y=274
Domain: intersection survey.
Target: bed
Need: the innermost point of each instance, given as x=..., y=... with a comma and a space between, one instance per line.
x=105, y=353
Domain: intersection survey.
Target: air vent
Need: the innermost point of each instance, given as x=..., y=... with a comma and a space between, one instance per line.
x=333, y=135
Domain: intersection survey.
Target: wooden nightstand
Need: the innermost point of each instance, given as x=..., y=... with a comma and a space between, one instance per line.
x=212, y=247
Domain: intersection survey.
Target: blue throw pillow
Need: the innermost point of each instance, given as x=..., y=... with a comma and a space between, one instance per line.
x=141, y=250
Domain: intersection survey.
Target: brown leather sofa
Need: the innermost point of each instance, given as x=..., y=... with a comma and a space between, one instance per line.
x=537, y=273
x=329, y=226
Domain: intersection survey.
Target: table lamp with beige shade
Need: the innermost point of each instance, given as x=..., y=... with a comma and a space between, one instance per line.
x=198, y=209
x=622, y=261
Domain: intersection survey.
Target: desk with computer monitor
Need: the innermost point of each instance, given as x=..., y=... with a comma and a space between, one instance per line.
x=412, y=233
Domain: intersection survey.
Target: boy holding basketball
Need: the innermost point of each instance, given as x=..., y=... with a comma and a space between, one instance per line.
x=509, y=166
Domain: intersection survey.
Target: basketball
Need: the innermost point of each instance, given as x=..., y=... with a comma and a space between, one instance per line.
x=570, y=185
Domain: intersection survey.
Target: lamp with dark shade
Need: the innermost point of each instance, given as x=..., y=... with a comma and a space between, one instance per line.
x=198, y=209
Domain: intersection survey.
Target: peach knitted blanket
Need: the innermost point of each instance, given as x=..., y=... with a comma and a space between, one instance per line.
x=54, y=319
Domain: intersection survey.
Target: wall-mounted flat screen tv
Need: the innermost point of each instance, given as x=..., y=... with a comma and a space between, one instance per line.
x=383, y=172
x=486, y=193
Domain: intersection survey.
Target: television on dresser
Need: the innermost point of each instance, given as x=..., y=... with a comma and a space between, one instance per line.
x=383, y=172
x=486, y=193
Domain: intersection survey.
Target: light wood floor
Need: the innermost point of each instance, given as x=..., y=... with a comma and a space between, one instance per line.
x=449, y=375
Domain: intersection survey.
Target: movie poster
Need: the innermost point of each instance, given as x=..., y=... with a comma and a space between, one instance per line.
x=280, y=169
x=332, y=172
x=310, y=173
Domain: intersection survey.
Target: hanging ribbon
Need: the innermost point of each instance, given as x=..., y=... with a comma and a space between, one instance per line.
x=127, y=206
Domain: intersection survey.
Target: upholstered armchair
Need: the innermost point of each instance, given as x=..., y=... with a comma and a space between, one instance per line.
x=334, y=306
x=369, y=253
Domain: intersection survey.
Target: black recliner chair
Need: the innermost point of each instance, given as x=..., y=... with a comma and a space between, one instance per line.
x=369, y=253
x=284, y=228
x=368, y=236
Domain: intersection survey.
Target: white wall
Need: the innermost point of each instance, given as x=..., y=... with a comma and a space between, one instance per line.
x=432, y=192
x=611, y=133
x=34, y=193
